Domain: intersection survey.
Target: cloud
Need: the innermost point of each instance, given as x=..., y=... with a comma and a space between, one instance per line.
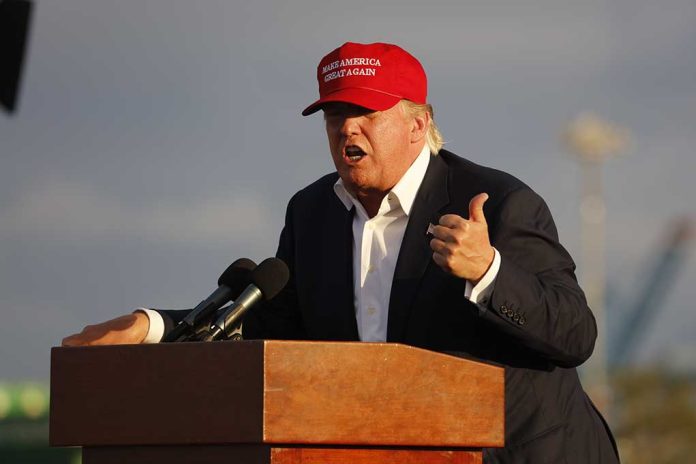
x=68, y=210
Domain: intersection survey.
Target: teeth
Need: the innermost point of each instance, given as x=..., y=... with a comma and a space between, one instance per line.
x=354, y=153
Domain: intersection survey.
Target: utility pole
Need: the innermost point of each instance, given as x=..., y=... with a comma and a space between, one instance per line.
x=594, y=141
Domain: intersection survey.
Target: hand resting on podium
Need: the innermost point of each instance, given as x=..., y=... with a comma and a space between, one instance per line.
x=127, y=329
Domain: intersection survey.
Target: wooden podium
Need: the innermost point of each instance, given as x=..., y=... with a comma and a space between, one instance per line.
x=274, y=402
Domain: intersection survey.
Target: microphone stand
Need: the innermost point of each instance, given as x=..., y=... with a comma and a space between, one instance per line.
x=205, y=333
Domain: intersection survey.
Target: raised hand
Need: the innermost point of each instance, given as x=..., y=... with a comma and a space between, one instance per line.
x=461, y=246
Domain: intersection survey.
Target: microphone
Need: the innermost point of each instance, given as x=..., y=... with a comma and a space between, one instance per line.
x=230, y=284
x=267, y=280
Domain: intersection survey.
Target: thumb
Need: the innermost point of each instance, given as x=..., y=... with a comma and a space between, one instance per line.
x=476, y=208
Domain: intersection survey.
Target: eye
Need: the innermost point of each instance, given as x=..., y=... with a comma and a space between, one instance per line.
x=333, y=118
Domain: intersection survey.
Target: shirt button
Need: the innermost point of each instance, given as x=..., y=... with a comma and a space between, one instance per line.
x=371, y=311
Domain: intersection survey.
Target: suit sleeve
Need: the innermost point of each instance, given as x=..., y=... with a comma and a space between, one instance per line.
x=536, y=298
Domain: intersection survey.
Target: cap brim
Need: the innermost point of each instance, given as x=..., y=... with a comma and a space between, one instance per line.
x=367, y=98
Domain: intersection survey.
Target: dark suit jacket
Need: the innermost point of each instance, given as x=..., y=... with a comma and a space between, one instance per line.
x=536, y=324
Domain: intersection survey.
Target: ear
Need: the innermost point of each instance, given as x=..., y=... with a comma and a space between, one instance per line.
x=419, y=126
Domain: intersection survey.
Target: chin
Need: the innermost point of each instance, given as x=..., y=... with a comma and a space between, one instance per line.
x=357, y=184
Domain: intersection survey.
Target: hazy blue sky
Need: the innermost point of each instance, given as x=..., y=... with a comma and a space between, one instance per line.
x=158, y=140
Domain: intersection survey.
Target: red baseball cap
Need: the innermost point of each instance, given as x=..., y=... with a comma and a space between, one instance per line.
x=375, y=76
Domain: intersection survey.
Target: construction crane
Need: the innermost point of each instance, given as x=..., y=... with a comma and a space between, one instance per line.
x=649, y=298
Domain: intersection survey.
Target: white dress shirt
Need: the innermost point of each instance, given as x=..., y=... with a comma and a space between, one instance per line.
x=376, y=244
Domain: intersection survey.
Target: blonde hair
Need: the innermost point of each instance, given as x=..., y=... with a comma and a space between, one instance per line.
x=434, y=137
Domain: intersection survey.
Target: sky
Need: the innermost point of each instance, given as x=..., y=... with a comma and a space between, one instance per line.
x=157, y=141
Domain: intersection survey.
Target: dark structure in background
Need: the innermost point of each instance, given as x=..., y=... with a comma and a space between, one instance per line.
x=649, y=294
x=15, y=17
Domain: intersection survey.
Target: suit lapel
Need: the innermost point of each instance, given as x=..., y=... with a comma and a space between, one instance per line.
x=337, y=265
x=415, y=254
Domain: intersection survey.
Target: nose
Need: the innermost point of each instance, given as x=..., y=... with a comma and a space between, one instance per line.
x=350, y=126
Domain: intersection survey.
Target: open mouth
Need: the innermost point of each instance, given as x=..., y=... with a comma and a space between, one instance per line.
x=354, y=153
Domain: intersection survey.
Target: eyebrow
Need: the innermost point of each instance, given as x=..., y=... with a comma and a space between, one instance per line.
x=348, y=110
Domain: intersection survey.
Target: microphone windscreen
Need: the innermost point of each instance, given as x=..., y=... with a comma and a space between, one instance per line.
x=237, y=276
x=270, y=277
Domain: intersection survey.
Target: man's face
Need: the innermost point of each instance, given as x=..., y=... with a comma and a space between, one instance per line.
x=371, y=149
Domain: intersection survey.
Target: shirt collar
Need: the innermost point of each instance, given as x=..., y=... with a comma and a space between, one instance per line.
x=405, y=190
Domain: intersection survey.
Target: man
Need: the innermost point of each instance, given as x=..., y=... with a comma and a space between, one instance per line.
x=409, y=243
